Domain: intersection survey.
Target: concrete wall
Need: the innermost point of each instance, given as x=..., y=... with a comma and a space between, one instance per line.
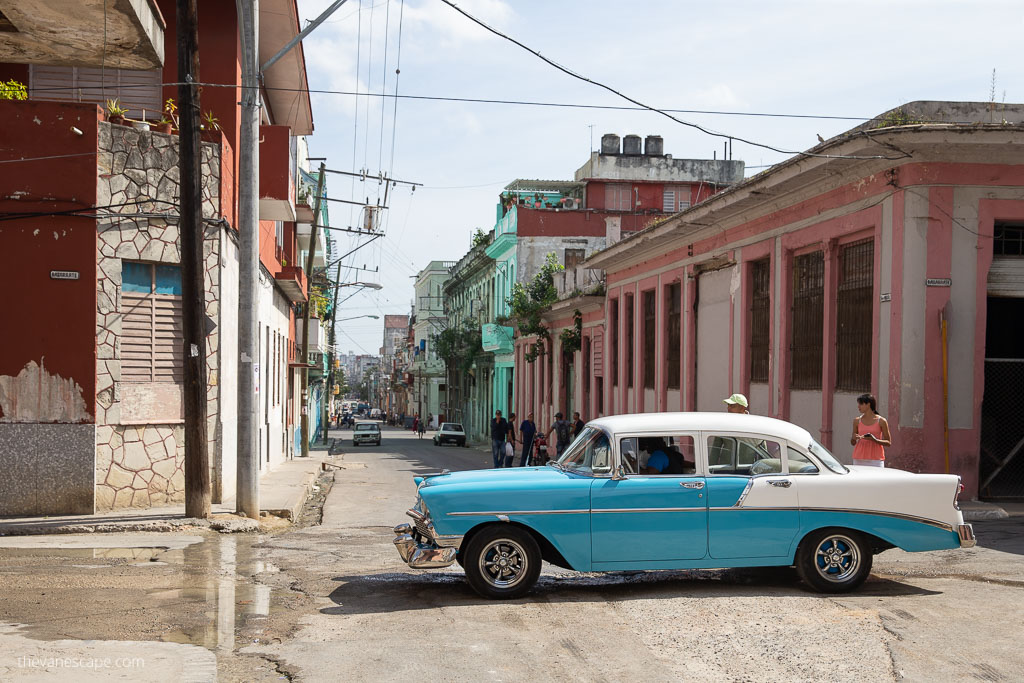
x=139, y=456
x=272, y=399
x=660, y=168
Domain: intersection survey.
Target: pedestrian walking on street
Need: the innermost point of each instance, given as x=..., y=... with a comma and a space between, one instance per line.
x=499, y=431
x=527, y=430
x=870, y=434
x=509, y=456
x=737, y=403
x=563, y=432
x=577, y=424
x=420, y=428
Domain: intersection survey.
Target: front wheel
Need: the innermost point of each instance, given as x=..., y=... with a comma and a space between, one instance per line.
x=502, y=562
x=834, y=560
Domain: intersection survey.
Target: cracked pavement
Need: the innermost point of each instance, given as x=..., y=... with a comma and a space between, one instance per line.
x=333, y=601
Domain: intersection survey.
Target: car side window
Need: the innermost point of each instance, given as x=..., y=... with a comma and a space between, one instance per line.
x=630, y=461
x=668, y=454
x=742, y=455
x=799, y=463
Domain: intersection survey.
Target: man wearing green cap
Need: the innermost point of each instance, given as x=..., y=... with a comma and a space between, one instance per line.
x=737, y=403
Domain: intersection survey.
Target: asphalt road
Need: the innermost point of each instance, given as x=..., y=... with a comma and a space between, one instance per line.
x=333, y=601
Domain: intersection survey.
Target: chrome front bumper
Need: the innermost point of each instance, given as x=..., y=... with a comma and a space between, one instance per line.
x=966, y=534
x=421, y=548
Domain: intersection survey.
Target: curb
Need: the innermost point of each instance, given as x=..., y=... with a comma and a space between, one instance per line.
x=228, y=526
x=984, y=514
x=292, y=513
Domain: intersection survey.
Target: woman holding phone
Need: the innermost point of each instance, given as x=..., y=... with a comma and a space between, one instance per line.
x=870, y=434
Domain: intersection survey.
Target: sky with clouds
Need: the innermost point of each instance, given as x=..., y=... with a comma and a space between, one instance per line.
x=850, y=59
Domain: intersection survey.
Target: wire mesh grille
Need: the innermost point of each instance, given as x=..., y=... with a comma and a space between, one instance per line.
x=1002, y=430
x=808, y=320
x=760, y=315
x=854, y=333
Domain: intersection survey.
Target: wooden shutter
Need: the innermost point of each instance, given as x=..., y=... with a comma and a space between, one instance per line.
x=138, y=91
x=151, y=334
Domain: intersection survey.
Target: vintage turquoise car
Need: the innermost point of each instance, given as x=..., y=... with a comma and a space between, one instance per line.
x=675, y=491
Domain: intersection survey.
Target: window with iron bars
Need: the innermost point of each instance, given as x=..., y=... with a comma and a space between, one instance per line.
x=854, y=323
x=650, y=333
x=760, y=316
x=808, y=320
x=630, y=341
x=674, y=307
x=1008, y=240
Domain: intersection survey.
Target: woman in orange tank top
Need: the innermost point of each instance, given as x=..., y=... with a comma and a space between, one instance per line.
x=870, y=434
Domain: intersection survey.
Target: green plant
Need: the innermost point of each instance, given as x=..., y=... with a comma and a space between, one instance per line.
x=458, y=346
x=210, y=122
x=529, y=301
x=572, y=337
x=480, y=237
x=13, y=90
x=114, y=108
x=898, y=117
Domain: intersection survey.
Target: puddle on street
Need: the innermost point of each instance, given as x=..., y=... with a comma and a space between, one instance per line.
x=205, y=592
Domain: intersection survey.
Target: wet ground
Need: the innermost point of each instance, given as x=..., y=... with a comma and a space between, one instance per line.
x=329, y=599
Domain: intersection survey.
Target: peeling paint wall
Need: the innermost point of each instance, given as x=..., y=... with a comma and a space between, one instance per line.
x=35, y=395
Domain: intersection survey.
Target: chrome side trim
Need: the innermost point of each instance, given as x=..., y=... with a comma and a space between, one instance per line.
x=879, y=513
x=449, y=541
x=746, y=490
x=498, y=513
x=966, y=534
x=605, y=510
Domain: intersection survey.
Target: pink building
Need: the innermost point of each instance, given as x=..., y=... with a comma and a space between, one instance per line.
x=823, y=278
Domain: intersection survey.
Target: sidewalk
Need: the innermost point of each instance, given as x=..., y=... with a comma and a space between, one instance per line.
x=283, y=491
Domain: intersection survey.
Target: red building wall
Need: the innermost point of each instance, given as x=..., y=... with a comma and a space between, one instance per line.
x=52, y=321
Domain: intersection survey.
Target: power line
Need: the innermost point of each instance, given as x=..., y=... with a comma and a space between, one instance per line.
x=648, y=107
x=530, y=103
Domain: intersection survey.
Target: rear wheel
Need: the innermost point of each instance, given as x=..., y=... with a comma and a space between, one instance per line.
x=502, y=562
x=834, y=560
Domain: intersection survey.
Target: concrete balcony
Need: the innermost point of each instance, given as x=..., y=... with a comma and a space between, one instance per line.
x=128, y=34
x=277, y=174
x=579, y=280
x=292, y=281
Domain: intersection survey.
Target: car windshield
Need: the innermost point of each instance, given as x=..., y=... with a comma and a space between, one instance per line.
x=451, y=427
x=366, y=427
x=588, y=454
x=826, y=458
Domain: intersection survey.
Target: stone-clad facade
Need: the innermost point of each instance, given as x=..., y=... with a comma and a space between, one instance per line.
x=139, y=442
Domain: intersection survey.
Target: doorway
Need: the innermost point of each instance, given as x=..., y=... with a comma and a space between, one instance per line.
x=1001, y=461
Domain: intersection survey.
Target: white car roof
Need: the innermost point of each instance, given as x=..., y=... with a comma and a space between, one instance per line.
x=716, y=422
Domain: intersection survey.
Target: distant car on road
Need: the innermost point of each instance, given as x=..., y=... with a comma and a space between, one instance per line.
x=366, y=432
x=450, y=432
x=375, y=414
x=679, y=491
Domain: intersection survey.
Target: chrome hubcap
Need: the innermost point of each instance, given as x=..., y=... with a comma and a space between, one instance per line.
x=503, y=563
x=837, y=558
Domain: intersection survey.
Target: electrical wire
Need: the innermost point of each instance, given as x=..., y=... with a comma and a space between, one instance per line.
x=384, y=85
x=612, y=90
x=529, y=103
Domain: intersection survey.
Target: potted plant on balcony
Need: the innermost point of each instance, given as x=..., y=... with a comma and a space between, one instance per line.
x=210, y=122
x=115, y=112
x=13, y=90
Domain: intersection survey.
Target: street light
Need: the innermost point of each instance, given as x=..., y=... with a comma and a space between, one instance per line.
x=356, y=317
x=368, y=285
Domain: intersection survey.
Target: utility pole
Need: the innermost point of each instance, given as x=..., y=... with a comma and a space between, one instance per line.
x=193, y=289
x=247, y=486
x=330, y=345
x=304, y=358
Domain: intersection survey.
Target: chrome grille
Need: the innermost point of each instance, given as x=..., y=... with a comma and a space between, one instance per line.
x=422, y=528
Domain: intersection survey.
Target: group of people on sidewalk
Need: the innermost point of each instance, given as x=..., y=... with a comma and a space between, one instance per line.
x=505, y=436
x=870, y=433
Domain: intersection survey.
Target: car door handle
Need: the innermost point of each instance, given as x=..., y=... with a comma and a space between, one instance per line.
x=692, y=484
x=781, y=483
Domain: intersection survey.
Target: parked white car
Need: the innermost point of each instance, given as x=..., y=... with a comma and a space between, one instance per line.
x=366, y=432
x=450, y=432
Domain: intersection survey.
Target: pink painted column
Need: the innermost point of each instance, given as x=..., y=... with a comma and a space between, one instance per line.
x=782, y=306
x=660, y=348
x=939, y=265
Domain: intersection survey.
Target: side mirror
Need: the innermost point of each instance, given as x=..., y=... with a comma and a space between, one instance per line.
x=620, y=473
